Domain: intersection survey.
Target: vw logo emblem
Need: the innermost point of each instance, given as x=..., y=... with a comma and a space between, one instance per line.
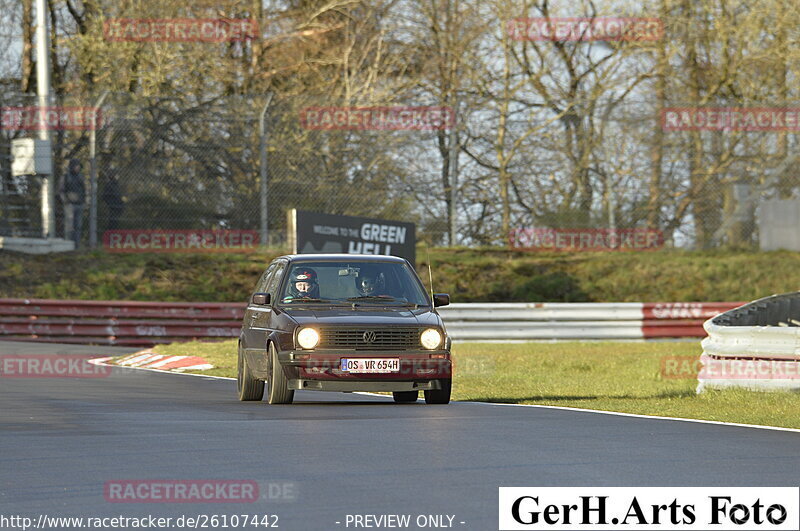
x=369, y=336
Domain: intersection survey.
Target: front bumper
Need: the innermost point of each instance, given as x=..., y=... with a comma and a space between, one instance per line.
x=416, y=366
x=362, y=386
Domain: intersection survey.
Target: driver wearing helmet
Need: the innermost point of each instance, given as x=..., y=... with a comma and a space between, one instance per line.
x=304, y=285
x=370, y=283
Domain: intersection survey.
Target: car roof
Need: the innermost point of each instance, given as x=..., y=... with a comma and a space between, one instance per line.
x=342, y=257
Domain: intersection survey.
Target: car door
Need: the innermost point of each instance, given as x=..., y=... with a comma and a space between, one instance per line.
x=261, y=317
x=249, y=335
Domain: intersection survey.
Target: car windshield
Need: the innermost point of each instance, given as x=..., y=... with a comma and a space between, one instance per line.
x=385, y=283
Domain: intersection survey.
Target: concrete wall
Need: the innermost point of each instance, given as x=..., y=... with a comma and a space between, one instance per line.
x=779, y=224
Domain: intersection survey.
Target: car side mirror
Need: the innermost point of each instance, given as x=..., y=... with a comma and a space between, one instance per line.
x=440, y=299
x=262, y=299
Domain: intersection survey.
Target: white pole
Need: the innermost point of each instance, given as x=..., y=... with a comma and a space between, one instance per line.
x=43, y=92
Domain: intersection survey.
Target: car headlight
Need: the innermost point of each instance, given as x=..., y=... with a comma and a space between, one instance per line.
x=430, y=338
x=308, y=338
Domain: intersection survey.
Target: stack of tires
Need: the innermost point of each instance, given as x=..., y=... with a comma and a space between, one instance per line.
x=755, y=346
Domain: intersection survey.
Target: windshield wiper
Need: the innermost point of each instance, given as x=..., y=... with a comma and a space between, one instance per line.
x=332, y=302
x=378, y=298
x=395, y=303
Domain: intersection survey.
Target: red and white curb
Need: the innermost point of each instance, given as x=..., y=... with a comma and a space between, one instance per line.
x=147, y=359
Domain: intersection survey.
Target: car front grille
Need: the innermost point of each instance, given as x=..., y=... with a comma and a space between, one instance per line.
x=362, y=338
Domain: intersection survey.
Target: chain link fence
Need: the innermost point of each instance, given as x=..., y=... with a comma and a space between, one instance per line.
x=183, y=163
x=165, y=163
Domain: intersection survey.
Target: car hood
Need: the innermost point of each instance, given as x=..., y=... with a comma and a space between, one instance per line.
x=364, y=316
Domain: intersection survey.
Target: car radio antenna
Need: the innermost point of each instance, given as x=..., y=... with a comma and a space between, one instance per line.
x=430, y=273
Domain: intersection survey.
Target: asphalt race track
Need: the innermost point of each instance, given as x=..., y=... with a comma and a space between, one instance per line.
x=329, y=455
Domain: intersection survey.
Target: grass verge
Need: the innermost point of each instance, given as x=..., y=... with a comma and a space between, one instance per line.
x=607, y=376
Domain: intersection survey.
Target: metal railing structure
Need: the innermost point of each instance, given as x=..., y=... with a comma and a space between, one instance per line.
x=150, y=323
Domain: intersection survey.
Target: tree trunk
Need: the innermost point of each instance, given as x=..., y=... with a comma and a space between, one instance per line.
x=27, y=46
x=657, y=149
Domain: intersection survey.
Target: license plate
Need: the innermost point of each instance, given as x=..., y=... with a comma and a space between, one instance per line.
x=370, y=365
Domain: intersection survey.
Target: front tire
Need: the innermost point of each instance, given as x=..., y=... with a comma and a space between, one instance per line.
x=249, y=388
x=439, y=396
x=279, y=392
x=405, y=397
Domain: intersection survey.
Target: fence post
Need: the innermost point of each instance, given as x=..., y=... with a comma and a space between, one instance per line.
x=93, y=172
x=263, y=169
x=43, y=92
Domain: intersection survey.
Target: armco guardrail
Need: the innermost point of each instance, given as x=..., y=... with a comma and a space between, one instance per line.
x=756, y=346
x=589, y=320
x=149, y=323
x=117, y=322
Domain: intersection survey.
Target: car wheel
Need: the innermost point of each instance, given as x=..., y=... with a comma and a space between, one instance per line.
x=439, y=396
x=279, y=392
x=404, y=397
x=249, y=387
